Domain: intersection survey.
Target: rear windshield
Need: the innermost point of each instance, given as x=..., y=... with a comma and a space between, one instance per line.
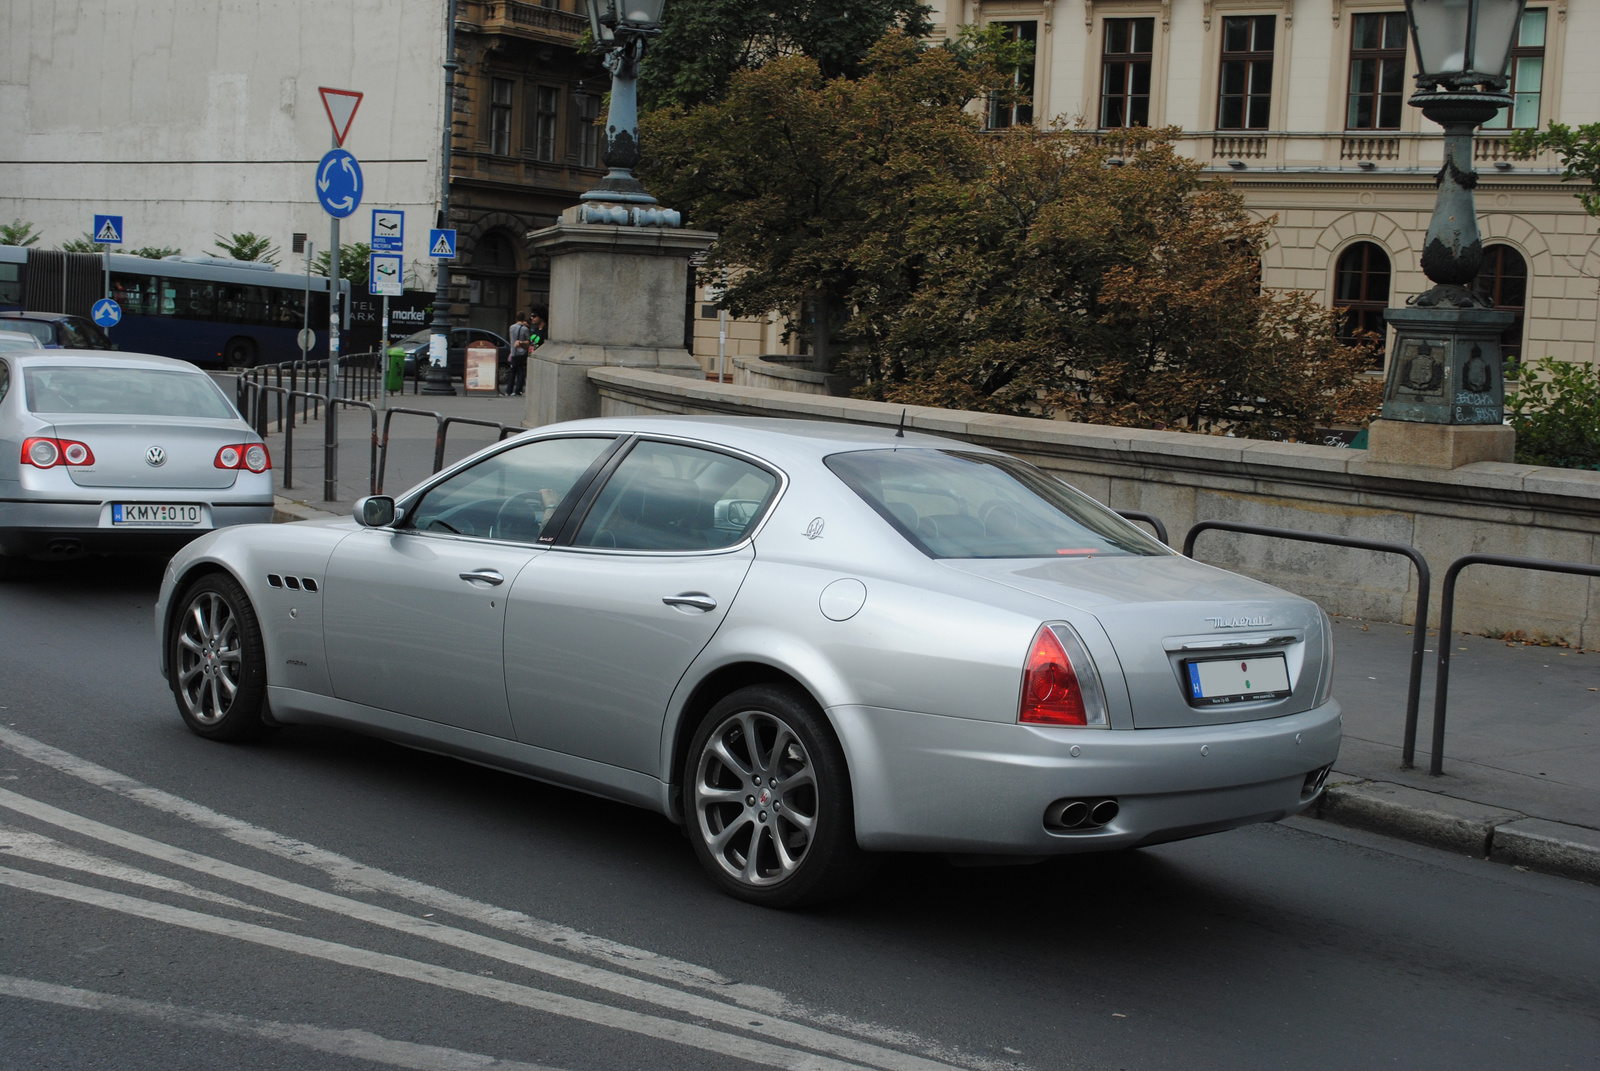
x=954, y=504
x=88, y=390
x=37, y=328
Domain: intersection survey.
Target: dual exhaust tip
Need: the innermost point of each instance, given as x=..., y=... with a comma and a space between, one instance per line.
x=1079, y=814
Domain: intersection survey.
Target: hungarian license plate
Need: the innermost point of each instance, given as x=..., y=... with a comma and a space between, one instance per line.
x=155, y=515
x=1237, y=680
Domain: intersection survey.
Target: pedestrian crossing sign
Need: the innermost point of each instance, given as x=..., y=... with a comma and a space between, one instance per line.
x=108, y=230
x=442, y=244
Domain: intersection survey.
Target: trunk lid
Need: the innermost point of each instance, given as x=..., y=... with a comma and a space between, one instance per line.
x=1162, y=613
x=122, y=449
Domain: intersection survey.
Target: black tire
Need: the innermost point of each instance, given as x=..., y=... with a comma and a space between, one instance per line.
x=216, y=663
x=240, y=352
x=740, y=831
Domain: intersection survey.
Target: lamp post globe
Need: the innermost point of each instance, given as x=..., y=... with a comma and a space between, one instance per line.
x=1445, y=367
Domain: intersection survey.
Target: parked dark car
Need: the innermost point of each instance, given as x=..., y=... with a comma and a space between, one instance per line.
x=57, y=330
x=416, y=348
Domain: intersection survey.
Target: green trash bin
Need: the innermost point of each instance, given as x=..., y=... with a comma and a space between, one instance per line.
x=395, y=378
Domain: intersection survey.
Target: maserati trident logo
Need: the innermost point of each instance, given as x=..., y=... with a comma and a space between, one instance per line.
x=1240, y=622
x=155, y=456
x=814, y=529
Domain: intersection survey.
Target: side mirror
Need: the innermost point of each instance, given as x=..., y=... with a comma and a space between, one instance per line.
x=375, y=511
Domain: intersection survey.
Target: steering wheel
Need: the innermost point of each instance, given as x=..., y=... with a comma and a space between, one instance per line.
x=517, y=513
x=1000, y=519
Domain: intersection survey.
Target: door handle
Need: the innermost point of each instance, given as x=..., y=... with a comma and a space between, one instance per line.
x=697, y=599
x=491, y=577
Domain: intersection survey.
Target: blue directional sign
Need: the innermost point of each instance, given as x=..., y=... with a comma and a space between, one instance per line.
x=108, y=230
x=388, y=230
x=339, y=183
x=106, y=313
x=442, y=244
x=384, y=275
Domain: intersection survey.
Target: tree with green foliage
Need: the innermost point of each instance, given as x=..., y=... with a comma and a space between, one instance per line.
x=248, y=246
x=353, y=262
x=157, y=252
x=1017, y=271
x=82, y=244
x=705, y=42
x=1554, y=406
x=18, y=233
x=1579, y=151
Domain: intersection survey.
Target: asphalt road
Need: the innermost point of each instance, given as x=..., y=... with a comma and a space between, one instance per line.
x=326, y=901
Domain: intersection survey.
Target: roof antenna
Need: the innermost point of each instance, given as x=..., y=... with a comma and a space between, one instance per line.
x=900, y=432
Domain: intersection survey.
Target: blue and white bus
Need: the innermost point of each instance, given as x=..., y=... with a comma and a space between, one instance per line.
x=207, y=310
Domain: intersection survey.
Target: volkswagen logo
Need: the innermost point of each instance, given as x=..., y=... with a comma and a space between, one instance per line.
x=155, y=456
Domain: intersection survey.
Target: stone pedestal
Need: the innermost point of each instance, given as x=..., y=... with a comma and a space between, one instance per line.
x=617, y=297
x=1439, y=446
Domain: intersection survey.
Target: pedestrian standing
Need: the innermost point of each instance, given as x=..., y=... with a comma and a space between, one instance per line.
x=521, y=335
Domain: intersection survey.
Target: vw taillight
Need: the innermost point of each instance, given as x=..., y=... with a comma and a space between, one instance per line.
x=45, y=453
x=252, y=456
x=1060, y=685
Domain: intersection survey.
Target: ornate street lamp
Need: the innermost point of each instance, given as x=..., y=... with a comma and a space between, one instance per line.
x=1446, y=365
x=622, y=30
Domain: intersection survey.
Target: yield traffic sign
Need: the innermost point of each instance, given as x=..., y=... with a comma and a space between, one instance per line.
x=339, y=183
x=442, y=244
x=108, y=230
x=341, y=105
x=106, y=313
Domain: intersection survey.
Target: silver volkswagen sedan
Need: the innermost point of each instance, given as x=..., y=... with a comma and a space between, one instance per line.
x=807, y=642
x=109, y=452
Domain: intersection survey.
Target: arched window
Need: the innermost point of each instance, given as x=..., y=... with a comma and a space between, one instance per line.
x=494, y=251
x=1503, y=281
x=1361, y=289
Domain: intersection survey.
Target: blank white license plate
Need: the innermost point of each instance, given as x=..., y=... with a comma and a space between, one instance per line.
x=1238, y=680
x=153, y=514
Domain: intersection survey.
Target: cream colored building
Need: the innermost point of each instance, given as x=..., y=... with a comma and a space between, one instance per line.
x=1301, y=103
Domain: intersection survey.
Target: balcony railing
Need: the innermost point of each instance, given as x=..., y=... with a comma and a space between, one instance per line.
x=510, y=15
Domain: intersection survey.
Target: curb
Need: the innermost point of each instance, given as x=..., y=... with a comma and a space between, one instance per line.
x=285, y=510
x=1456, y=825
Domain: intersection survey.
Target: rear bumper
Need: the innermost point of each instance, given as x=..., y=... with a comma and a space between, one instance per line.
x=928, y=783
x=65, y=529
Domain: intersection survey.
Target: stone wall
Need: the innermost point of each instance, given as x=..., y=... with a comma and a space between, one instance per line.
x=1484, y=507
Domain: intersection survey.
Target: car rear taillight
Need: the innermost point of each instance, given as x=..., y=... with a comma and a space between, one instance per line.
x=1060, y=685
x=43, y=453
x=252, y=456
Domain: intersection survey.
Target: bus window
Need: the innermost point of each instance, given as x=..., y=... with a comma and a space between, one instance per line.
x=10, y=284
x=190, y=300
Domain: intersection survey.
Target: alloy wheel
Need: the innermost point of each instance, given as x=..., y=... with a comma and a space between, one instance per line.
x=756, y=798
x=210, y=661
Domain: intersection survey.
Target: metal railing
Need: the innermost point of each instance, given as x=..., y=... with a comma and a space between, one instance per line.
x=1419, y=630
x=360, y=376
x=442, y=425
x=1447, y=607
x=1148, y=518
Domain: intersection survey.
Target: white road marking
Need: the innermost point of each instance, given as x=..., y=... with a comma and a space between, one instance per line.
x=692, y=1004
x=558, y=1004
x=359, y=1044
x=349, y=874
x=27, y=845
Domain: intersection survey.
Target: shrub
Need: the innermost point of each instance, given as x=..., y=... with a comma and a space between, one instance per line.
x=1555, y=409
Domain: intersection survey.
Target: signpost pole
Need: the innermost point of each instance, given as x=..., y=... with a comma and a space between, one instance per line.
x=383, y=358
x=305, y=310
x=108, y=272
x=330, y=430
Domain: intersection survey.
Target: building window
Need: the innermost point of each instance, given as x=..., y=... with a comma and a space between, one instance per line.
x=1018, y=111
x=1361, y=291
x=588, y=109
x=546, y=100
x=1125, y=72
x=1526, y=72
x=1244, y=99
x=1503, y=280
x=1377, y=69
x=500, y=117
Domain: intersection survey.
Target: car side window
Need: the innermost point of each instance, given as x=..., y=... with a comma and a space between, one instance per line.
x=5, y=380
x=665, y=496
x=508, y=495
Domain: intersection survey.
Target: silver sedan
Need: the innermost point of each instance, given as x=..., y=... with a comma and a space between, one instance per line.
x=807, y=642
x=103, y=452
